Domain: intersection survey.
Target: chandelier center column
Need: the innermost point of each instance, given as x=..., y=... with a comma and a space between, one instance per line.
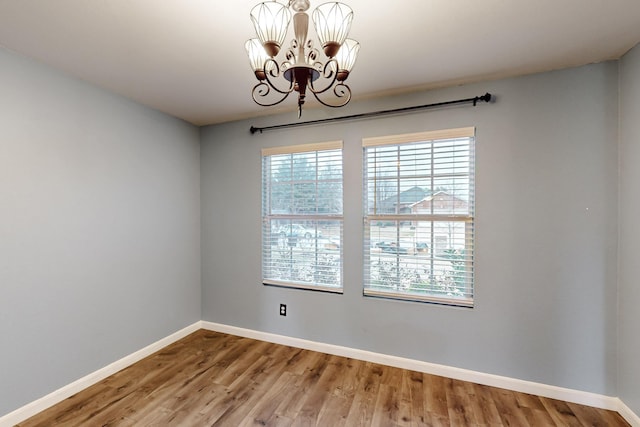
x=301, y=30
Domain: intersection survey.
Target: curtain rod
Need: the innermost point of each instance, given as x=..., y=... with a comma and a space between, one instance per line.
x=486, y=98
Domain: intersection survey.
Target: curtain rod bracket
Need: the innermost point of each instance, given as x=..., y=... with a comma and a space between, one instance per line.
x=486, y=98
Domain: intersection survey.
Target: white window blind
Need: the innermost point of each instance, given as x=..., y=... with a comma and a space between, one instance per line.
x=302, y=216
x=419, y=216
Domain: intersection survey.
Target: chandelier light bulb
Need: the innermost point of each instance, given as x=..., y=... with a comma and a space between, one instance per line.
x=346, y=58
x=271, y=20
x=257, y=57
x=332, y=22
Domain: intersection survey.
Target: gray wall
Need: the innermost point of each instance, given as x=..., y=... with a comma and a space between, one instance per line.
x=629, y=294
x=546, y=233
x=99, y=229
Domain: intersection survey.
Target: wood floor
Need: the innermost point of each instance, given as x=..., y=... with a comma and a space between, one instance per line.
x=209, y=378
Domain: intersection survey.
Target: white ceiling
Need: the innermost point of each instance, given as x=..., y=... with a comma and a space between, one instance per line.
x=187, y=58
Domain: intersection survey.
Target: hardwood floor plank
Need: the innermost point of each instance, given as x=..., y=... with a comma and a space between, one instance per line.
x=182, y=408
x=299, y=360
x=292, y=405
x=350, y=377
x=238, y=362
x=335, y=410
x=321, y=390
x=560, y=412
x=435, y=396
x=213, y=379
x=538, y=417
x=482, y=404
x=413, y=382
x=386, y=407
x=434, y=420
x=510, y=412
x=403, y=398
x=114, y=414
x=265, y=409
x=363, y=406
x=250, y=386
x=155, y=417
x=458, y=403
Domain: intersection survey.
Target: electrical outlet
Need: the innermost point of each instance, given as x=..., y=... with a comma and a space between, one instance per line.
x=283, y=309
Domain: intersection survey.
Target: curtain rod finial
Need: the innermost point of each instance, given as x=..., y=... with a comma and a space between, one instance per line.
x=486, y=98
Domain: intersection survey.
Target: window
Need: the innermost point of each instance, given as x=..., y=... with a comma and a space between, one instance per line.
x=302, y=216
x=419, y=216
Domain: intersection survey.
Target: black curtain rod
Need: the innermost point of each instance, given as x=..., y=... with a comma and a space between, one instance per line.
x=486, y=98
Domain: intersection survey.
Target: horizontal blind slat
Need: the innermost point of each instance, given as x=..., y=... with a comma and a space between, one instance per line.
x=291, y=149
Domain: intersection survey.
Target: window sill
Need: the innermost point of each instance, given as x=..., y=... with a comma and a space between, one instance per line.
x=450, y=301
x=303, y=286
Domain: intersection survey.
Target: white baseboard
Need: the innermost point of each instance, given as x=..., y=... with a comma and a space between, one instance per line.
x=569, y=395
x=69, y=390
x=628, y=415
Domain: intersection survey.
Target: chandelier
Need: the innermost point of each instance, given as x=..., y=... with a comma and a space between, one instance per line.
x=302, y=68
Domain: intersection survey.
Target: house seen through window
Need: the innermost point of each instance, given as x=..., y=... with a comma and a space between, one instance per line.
x=419, y=216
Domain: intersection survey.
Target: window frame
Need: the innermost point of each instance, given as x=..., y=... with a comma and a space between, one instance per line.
x=268, y=218
x=465, y=268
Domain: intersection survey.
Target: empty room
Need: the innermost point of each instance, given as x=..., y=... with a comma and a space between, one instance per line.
x=304, y=212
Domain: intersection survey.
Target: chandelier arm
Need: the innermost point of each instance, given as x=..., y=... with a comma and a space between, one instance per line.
x=312, y=56
x=327, y=73
x=261, y=90
x=275, y=72
x=340, y=90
